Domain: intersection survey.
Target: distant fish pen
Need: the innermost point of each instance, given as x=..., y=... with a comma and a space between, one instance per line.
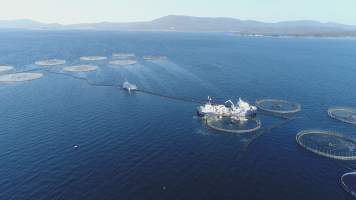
x=80, y=68
x=347, y=115
x=124, y=55
x=50, y=62
x=92, y=58
x=123, y=62
x=19, y=77
x=328, y=144
x=5, y=68
x=154, y=57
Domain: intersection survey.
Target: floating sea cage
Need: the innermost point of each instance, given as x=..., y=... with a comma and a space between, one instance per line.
x=348, y=182
x=19, y=77
x=50, y=62
x=123, y=62
x=344, y=114
x=124, y=55
x=232, y=125
x=5, y=68
x=80, y=68
x=278, y=106
x=93, y=58
x=154, y=57
x=329, y=144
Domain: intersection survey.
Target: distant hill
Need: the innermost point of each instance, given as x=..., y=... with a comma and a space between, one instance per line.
x=199, y=24
x=27, y=24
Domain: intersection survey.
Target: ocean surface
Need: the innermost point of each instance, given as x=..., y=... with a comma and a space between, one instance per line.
x=62, y=138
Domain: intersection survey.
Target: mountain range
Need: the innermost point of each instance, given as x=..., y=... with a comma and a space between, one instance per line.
x=199, y=24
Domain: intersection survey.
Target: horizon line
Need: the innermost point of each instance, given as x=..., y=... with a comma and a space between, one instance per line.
x=138, y=21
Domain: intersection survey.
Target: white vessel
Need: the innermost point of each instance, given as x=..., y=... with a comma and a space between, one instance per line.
x=212, y=109
x=239, y=111
x=129, y=87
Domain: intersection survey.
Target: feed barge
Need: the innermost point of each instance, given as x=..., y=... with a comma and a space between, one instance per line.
x=239, y=111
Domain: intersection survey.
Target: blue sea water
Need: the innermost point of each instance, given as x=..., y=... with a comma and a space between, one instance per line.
x=61, y=138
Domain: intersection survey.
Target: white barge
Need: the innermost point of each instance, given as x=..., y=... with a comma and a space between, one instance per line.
x=239, y=111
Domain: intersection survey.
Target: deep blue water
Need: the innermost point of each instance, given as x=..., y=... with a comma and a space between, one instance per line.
x=145, y=147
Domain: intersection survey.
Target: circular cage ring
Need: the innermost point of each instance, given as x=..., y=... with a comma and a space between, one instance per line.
x=328, y=144
x=348, y=182
x=211, y=123
x=344, y=114
x=50, y=62
x=19, y=77
x=276, y=106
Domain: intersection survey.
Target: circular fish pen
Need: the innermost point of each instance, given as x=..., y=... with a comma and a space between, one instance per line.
x=50, y=62
x=122, y=62
x=328, y=144
x=348, y=182
x=80, y=68
x=123, y=55
x=5, y=68
x=19, y=77
x=92, y=58
x=231, y=125
x=347, y=115
x=154, y=58
x=278, y=106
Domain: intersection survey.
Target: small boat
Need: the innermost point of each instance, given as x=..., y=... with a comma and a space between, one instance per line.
x=129, y=87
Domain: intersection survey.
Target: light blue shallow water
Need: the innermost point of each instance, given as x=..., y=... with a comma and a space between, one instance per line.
x=145, y=147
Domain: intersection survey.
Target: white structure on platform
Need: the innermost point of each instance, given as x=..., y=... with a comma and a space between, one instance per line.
x=239, y=111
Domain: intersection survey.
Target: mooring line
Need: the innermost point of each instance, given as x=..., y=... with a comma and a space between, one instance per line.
x=266, y=130
x=80, y=78
x=190, y=100
x=182, y=99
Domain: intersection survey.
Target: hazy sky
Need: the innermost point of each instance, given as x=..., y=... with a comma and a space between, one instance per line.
x=75, y=11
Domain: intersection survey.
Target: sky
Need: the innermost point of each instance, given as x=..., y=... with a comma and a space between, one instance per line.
x=79, y=11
